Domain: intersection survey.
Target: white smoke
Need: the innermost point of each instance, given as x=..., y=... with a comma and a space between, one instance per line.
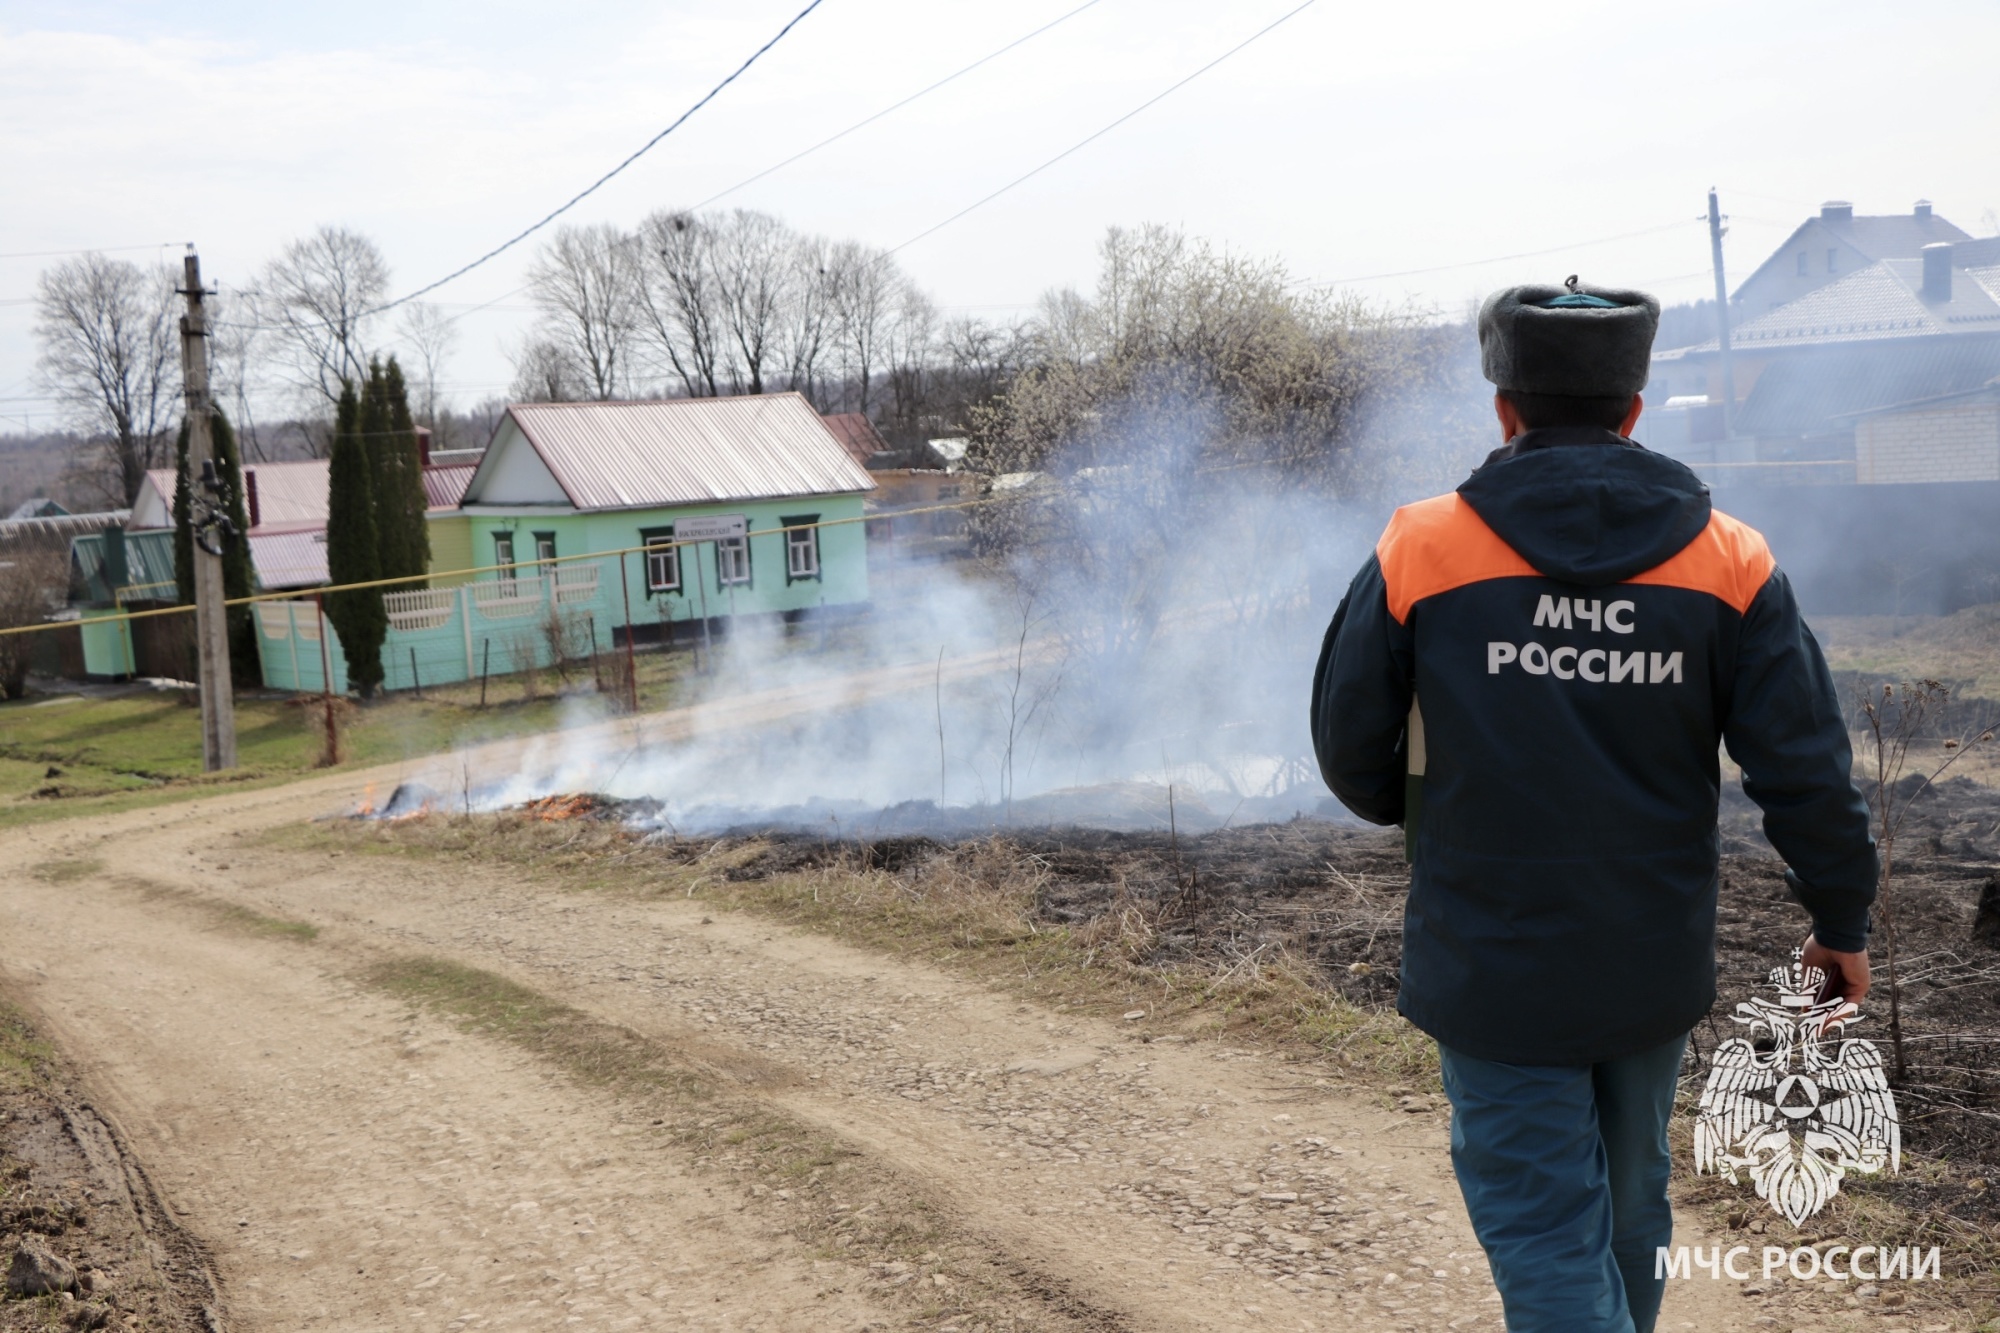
x=1156, y=625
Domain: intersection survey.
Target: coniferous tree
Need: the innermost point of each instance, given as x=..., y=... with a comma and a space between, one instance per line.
x=408, y=499
x=238, y=577
x=351, y=549
x=396, y=474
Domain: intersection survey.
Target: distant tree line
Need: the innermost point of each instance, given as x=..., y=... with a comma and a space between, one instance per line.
x=737, y=302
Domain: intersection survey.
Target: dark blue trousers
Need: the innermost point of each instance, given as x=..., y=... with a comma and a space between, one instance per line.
x=1564, y=1171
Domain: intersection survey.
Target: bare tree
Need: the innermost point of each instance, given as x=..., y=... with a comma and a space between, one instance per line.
x=809, y=323
x=431, y=335
x=754, y=261
x=234, y=349
x=680, y=305
x=864, y=285
x=585, y=282
x=911, y=355
x=319, y=299
x=108, y=350
x=545, y=372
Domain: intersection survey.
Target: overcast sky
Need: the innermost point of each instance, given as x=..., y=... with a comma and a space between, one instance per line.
x=1353, y=140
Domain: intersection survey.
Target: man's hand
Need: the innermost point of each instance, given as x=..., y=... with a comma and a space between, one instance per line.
x=1847, y=973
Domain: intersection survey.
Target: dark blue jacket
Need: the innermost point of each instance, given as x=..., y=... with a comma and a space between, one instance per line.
x=1538, y=669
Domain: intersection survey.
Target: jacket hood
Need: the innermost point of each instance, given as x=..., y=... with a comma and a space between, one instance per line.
x=1588, y=506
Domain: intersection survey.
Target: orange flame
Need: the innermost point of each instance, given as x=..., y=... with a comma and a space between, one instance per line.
x=552, y=808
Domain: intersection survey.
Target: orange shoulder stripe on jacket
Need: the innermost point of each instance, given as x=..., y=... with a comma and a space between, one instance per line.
x=1729, y=560
x=1436, y=545
x=1439, y=544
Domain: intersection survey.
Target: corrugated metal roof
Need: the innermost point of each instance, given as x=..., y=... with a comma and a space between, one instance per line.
x=54, y=531
x=289, y=495
x=686, y=451
x=149, y=563
x=445, y=486
x=289, y=559
x=857, y=434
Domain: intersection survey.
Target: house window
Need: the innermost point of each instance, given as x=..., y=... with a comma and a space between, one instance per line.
x=545, y=548
x=732, y=561
x=1802, y=263
x=801, y=547
x=503, y=555
x=663, y=560
x=1832, y=260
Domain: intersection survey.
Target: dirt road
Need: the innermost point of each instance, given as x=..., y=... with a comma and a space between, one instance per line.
x=354, y=1163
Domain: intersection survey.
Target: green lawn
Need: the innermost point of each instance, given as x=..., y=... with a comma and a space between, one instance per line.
x=65, y=755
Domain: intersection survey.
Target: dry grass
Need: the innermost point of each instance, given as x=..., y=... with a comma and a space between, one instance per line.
x=971, y=908
x=66, y=872
x=218, y=912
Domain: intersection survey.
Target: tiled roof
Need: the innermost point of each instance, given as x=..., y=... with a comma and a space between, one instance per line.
x=857, y=434
x=686, y=451
x=1878, y=236
x=1879, y=302
x=1897, y=235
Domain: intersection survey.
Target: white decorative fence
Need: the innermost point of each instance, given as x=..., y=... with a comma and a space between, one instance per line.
x=441, y=635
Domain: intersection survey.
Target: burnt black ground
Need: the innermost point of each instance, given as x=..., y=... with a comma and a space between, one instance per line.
x=1331, y=897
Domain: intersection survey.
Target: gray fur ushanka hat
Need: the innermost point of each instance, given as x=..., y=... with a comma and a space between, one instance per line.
x=1577, y=342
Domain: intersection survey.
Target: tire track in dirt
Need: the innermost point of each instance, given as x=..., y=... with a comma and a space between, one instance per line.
x=353, y=1165
x=1147, y=1177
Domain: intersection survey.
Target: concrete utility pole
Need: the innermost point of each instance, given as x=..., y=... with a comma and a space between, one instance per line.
x=218, y=704
x=1722, y=316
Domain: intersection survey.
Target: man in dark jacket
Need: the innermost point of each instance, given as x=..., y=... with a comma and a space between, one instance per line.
x=1533, y=675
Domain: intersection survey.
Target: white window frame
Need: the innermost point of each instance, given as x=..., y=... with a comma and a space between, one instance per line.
x=732, y=561
x=802, y=551
x=503, y=555
x=663, y=565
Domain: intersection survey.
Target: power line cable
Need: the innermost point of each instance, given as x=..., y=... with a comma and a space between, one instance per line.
x=887, y=110
x=86, y=250
x=601, y=181
x=1084, y=142
x=1501, y=259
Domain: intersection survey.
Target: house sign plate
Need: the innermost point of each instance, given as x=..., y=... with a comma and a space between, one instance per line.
x=710, y=528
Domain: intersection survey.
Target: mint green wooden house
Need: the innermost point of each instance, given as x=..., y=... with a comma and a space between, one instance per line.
x=529, y=565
